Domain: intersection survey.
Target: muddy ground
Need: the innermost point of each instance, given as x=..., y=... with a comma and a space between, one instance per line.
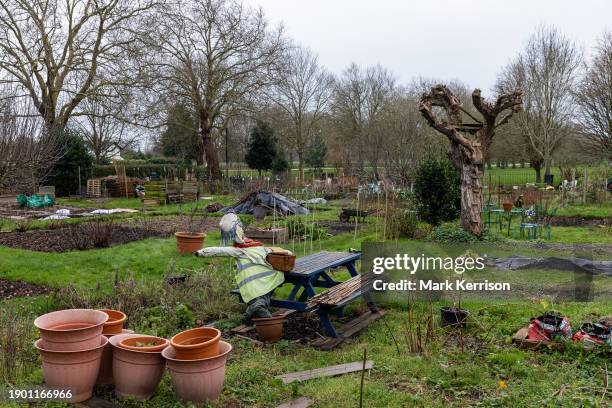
x=306, y=327
x=84, y=236
x=573, y=221
x=13, y=289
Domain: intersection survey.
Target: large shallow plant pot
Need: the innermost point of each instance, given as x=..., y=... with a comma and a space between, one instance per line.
x=507, y=206
x=269, y=328
x=135, y=374
x=144, y=344
x=198, y=381
x=189, y=242
x=115, y=322
x=453, y=316
x=195, y=344
x=105, y=375
x=75, y=370
x=71, y=329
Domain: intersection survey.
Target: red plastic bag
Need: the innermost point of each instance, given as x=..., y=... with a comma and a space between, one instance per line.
x=549, y=326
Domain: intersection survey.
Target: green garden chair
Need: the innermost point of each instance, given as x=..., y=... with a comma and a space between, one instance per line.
x=546, y=221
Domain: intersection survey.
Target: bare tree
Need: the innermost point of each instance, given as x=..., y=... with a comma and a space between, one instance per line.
x=406, y=137
x=216, y=54
x=468, y=152
x=594, y=98
x=360, y=98
x=104, y=131
x=303, y=92
x=60, y=52
x=26, y=151
x=547, y=71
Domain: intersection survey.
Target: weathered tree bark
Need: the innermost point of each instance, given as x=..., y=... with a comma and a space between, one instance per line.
x=209, y=150
x=537, y=166
x=213, y=170
x=468, y=153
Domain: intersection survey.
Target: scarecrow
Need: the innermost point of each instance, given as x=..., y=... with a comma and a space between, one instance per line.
x=255, y=277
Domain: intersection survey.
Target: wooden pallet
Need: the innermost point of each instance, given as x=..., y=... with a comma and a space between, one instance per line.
x=190, y=190
x=348, y=330
x=94, y=188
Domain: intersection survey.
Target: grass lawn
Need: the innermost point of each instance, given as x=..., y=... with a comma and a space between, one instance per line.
x=477, y=367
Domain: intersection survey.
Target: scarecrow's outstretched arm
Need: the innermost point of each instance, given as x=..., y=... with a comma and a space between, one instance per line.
x=219, y=251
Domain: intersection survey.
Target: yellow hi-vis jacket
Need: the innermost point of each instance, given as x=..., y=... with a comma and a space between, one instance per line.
x=255, y=277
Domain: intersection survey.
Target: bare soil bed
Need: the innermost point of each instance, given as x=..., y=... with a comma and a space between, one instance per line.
x=12, y=289
x=337, y=227
x=573, y=221
x=83, y=236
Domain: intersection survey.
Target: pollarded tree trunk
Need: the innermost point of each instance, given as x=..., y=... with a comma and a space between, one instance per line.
x=471, y=197
x=469, y=143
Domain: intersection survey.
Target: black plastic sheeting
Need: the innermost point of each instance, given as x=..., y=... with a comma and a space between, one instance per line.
x=565, y=264
x=282, y=204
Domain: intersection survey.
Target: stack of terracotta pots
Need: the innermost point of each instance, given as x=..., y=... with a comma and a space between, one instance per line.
x=196, y=361
x=71, y=346
x=82, y=347
x=138, y=365
x=113, y=326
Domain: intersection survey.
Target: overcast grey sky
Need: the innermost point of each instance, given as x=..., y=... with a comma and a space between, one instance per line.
x=470, y=40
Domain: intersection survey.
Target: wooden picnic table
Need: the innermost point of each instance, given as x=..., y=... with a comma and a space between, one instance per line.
x=312, y=271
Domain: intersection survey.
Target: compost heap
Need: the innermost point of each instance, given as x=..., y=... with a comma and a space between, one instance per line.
x=280, y=203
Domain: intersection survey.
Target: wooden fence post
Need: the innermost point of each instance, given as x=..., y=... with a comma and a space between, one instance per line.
x=584, y=186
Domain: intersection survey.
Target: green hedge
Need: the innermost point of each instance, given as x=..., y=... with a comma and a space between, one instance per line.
x=143, y=170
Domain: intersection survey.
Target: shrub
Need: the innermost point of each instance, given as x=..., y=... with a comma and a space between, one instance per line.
x=280, y=165
x=75, y=161
x=450, y=233
x=401, y=223
x=437, y=190
x=23, y=224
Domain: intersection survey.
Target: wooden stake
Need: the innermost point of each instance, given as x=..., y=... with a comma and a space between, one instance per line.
x=365, y=356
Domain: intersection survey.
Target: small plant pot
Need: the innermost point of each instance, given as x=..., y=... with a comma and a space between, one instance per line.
x=196, y=344
x=71, y=329
x=115, y=322
x=74, y=370
x=453, y=316
x=198, y=381
x=189, y=242
x=144, y=344
x=136, y=373
x=507, y=206
x=281, y=262
x=269, y=328
x=105, y=375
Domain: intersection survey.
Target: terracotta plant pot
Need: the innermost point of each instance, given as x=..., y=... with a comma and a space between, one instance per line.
x=507, y=206
x=75, y=370
x=144, y=344
x=71, y=329
x=189, y=242
x=198, y=381
x=269, y=328
x=135, y=373
x=115, y=322
x=195, y=344
x=105, y=375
